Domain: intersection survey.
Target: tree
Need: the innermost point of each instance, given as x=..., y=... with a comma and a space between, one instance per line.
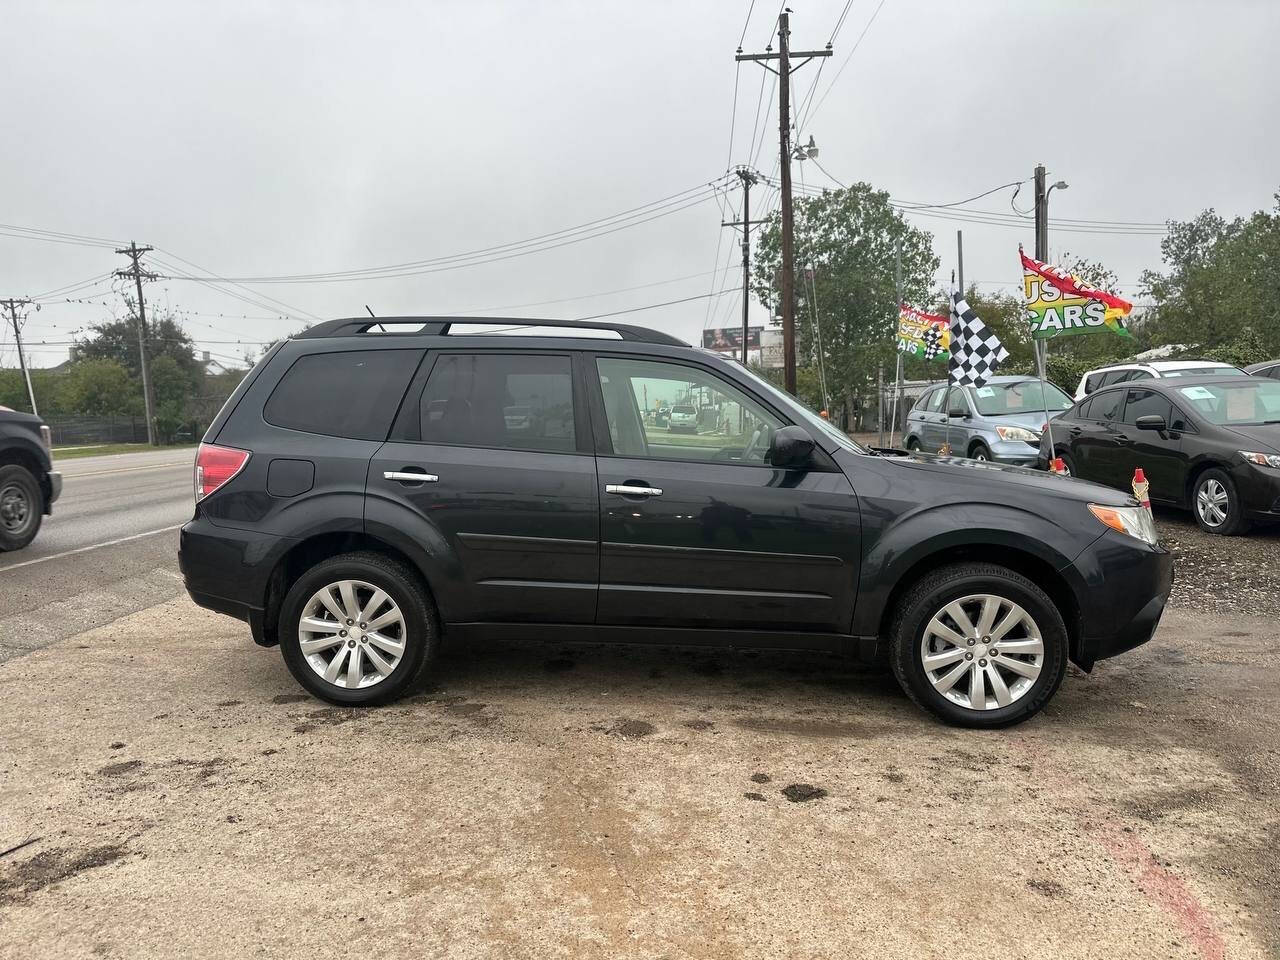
x=1221, y=279
x=848, y=237
x=117, y=340
x=172, y=387
x=101, y=388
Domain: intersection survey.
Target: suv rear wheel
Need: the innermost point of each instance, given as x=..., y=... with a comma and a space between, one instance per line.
x=358, y=629
x=21, y=507
x=978, y=645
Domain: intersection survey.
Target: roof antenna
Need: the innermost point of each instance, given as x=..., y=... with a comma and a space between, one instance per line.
x=371, y=313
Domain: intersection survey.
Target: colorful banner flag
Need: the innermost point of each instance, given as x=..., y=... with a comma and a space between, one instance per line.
x=1060, y=304
x=922, y=334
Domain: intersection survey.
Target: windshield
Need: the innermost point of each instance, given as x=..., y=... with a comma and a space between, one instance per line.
x=792, y=405
x=1205, y=372
x=1025, y=396
x=1251, y=401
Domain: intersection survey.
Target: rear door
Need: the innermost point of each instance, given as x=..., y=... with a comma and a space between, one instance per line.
x=700, y=531
x=490, y=464
x=1094, y=445
x=934, y=421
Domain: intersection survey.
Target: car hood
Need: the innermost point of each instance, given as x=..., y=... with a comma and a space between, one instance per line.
x=998, y=475
x=1266, y=435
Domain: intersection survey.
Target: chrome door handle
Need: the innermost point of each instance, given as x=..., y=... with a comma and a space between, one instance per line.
x=409, y=477
x=625, y=490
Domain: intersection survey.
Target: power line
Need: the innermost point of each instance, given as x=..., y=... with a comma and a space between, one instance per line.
x=654, y=306
x=854, y=49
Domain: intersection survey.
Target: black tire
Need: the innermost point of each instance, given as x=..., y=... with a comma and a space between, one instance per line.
x=913, y=445
x=980, y=451
x=1236, y=523
x=405, y=588
x=21, y=507
x=1069, y=464
x=935, y=591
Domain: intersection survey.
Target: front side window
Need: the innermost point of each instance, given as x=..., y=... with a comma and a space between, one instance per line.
x=514, y=401
x=709, y=419
x=936, y=398
x=351, y=394
x=1146, y=403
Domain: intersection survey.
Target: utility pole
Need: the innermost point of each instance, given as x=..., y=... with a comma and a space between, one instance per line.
x=783, y=71
x=1042, y=217
x=897, y=369
x=134, y=270
x=748, y=178
x=11, y=306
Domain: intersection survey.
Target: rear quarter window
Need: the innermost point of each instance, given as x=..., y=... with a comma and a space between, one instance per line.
x=352, y=394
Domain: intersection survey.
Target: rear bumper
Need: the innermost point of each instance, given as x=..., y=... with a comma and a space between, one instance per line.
x=1123, y=587
x=226, y=569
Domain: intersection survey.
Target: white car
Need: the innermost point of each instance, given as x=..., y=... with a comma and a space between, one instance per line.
x=684, y=419
x=1153, y=369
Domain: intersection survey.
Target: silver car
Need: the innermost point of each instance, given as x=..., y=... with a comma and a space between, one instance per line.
x=1000, y=421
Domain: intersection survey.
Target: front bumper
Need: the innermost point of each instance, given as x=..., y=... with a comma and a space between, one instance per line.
x=55, y=489
x=1017, y=452
x=1122, y=586
x=1259, y=490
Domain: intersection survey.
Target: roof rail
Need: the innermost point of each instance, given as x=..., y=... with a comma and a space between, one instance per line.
x=439, y=326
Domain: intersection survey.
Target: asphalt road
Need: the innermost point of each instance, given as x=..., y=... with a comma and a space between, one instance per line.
x=108, y=550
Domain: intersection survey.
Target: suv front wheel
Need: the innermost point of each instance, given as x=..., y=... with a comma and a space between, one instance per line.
x=358, y=630
x=979, y=645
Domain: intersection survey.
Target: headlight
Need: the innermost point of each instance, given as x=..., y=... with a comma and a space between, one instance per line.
x=1018, y=433
x=1261, y=459
x=1135, y=522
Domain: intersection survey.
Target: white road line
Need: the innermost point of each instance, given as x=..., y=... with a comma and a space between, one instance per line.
x=92, y=546
x=109, y=473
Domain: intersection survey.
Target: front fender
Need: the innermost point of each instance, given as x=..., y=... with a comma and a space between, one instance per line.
x=937, y=529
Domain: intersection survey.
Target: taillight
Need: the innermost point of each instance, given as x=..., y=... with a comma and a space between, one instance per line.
x=215, y=466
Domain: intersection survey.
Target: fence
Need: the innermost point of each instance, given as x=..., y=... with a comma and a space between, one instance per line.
x=83, y=431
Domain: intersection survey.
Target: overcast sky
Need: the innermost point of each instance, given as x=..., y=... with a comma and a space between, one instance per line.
x=258, y=139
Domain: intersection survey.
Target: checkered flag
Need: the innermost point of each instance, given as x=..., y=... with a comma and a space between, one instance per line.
x=932, y=342
x=976, y=352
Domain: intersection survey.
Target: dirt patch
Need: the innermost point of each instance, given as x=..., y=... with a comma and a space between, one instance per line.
x=631, y=729
x=803, y=728
x=51, y=866
x=699, y=724
x=119, y=769
x=755, y=796
x=284, y=698
x=803, y=792
x=228, y=703
x=760, y=778
x=1047, y=888
x=1222, y=574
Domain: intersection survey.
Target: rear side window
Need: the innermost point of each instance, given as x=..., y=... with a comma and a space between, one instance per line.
x=353, y=394
x=1082, y=410
x=1146, y=403
x=1106, y=406
x=1092, y=382
x=517, y=401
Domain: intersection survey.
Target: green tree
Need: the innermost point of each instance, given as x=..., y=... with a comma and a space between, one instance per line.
x=1221, y=278
x=848, y=237
x=101, y=388
x=118, y=340
x=172, y=387
x=49, y=388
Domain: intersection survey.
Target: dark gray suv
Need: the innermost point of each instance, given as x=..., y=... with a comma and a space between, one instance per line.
x=374, y=486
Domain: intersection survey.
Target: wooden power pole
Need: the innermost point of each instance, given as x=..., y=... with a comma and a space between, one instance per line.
x=135, y=271
x=784, y=71
x=11, y=307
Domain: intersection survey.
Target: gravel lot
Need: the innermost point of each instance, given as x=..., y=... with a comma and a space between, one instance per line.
x=184, y=798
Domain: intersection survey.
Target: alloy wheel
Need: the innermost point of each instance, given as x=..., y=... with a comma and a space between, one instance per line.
x=982, y=652
x=352, y=634
x=15, y=510
x=1212, y=503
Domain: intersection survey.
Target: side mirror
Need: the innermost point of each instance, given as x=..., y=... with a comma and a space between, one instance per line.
x=1153, y=422
x=958, y=414
x=791, y=448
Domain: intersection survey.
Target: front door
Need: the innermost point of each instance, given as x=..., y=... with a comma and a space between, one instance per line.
x=699, y=530
x=491, y=457
x=1159, y=454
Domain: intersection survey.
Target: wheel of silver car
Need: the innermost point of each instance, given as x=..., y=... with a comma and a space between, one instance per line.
x=352, y=634
x=982, y=652
x=1212, y=503
x=980, y=453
